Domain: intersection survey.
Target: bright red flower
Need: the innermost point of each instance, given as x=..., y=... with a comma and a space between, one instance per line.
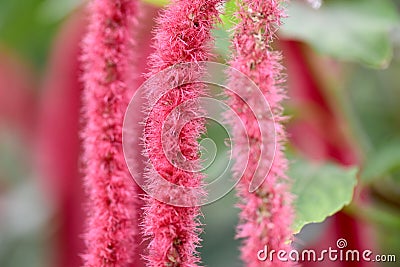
x=183, y=35
x=266, y=215
x=111, y=225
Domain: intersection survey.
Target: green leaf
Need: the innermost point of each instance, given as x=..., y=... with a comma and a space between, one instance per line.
x=320, y=190
x=355, y=30
x=159, y=3
x=228, y=17
x=381, y=162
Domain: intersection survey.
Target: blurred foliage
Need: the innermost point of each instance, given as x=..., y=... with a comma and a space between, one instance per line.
x=222, y=42
x=356, y=30
x=220, y=248
x=386, y=222
x=372, y=102
x=159, y=3
x=24, y=231
x=28, y=26
x=25, y=214
x=383, y=161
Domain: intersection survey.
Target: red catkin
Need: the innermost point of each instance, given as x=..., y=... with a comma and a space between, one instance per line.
x=266, y=214
x=183, y=35
x=111, y=224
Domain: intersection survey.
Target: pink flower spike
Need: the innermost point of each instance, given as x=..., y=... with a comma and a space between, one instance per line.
x=183, y=35
x=111, y=221
x=266, y=215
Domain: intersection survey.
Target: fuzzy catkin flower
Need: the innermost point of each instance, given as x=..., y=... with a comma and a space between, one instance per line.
x=266, y=215
x=111, y=224
x=183, y=35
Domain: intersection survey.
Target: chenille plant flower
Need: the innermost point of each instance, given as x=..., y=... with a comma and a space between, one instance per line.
x=111, y=224
x=183, y=35
x=142, y=114
x=266, y=214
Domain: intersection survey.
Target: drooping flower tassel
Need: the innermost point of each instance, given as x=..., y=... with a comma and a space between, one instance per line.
x=183, y=35
x=266, y=214
x=111, y=220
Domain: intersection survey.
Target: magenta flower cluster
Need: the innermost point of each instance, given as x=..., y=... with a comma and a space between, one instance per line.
x=111, y=222
x=183, y=35
x=266, y=214
x=171, y=233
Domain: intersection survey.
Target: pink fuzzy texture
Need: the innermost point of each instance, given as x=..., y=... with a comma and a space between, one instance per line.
x=266, y=215
x=111, y=221
x=183, y=35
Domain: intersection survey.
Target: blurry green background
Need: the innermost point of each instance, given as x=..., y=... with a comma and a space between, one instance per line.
x=351, y=49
